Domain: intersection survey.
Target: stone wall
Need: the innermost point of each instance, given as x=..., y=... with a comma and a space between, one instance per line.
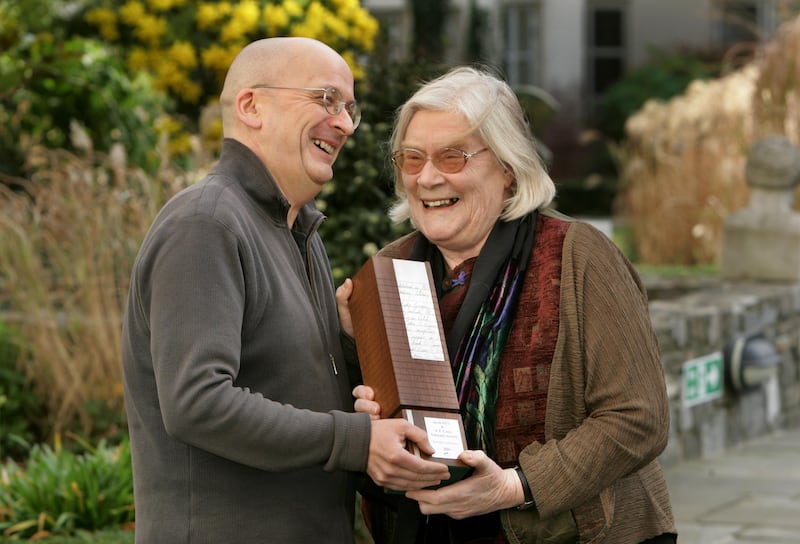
x=697, y=318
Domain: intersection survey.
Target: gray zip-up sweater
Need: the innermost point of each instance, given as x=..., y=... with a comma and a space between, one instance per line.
x=236, y=390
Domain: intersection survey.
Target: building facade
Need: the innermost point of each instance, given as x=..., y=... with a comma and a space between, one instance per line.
x=575, y=49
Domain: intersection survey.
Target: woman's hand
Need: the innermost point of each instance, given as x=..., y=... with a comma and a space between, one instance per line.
x=365, y=401
x=488, y=489
x=342, y=303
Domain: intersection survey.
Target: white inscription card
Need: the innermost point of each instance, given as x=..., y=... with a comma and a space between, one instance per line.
x=416, y=301
x=445, y=437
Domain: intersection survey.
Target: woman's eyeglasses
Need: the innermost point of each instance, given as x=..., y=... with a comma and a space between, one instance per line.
x=331, y=100
x=447, y=160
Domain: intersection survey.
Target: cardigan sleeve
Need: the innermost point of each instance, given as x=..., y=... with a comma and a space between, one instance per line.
x=608, y=411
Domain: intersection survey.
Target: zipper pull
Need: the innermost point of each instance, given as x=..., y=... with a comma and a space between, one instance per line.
x=333, y=364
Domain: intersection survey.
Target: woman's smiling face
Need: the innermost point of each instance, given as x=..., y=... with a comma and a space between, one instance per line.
x=454, y=211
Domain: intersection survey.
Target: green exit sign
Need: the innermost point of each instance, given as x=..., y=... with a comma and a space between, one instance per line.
x=702, y=379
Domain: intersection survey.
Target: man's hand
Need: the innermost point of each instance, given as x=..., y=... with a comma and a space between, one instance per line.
x=488, y=489
x=391, y=465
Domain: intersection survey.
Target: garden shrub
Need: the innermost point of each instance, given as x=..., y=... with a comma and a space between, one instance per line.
x=57, y=491
x=107, y=536
x=21, y=409
x=188, y=46
x=357, y=199
x=666, y=74
x=49, y=80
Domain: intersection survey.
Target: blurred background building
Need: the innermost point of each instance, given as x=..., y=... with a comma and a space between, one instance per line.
x=576, y=49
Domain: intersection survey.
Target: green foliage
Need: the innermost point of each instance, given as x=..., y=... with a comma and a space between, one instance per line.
x=20, y=406
x=22, y=21
x=109, y=536
x=48, y=80
x=666, y=75
x=356, y=201
x=59, y=492
x=429, y=22
x=108, y=420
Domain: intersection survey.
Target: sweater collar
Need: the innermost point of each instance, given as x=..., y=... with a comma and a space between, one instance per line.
x=238, y=162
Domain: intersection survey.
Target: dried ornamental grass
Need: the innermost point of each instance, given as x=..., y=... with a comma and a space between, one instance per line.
x=67, y=244
x=683, y=169
x=776, y=105
x=682, y=165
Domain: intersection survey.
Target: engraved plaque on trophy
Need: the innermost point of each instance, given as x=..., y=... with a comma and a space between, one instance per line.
x=403, y=353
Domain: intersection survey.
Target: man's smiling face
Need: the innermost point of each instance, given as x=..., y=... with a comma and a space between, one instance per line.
x=299, y=139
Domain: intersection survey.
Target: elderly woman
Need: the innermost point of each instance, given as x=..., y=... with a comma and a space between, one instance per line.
x=555, y=362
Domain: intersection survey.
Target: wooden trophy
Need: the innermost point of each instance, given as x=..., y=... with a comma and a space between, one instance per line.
x=403, y=353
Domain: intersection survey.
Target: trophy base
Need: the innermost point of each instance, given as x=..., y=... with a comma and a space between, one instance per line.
x=446, y=435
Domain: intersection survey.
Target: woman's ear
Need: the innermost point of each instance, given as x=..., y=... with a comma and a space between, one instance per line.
x=509, y=176
x=247, y=109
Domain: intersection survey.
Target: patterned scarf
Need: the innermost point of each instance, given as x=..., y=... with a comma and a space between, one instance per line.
x=476, y=365
x=483, y=323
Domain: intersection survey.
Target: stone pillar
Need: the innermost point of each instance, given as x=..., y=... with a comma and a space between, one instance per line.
x=762, y=241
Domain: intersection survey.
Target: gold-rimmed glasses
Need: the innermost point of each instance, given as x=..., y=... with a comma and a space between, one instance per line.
x=448, y=160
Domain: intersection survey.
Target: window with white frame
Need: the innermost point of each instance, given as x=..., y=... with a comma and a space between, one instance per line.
x=521, y=27
x=606, y=46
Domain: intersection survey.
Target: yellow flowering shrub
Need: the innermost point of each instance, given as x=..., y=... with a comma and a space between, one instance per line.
x=188, y=45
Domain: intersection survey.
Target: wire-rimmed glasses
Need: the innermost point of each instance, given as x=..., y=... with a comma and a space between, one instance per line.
x=331, y=100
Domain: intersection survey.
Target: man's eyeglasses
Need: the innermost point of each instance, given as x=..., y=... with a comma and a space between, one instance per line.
x=331, y=99
x=447, y=160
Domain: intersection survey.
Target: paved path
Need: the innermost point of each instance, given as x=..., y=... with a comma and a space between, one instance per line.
x=748, y=495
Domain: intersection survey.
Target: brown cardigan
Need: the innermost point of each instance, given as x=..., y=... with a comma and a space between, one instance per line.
x=607, y=411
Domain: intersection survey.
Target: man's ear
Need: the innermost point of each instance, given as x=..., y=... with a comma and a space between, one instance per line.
x=247, y=109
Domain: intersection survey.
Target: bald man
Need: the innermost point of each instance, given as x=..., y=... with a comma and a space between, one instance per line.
x=238, y=396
